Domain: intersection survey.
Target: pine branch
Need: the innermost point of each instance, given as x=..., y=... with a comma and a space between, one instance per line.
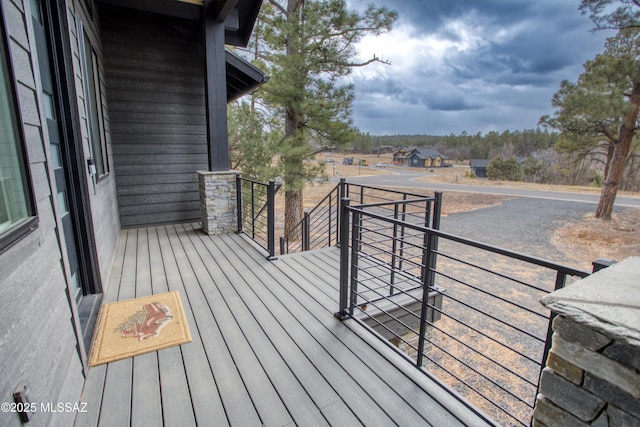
x=275, y=4
x=370, y=61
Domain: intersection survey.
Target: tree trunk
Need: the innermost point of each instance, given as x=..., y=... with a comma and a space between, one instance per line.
x=293, y=165
x=620, y=154
x=293, y=214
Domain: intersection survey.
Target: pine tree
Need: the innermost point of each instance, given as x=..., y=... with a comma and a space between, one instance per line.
x=311, y=46
x=602, y=107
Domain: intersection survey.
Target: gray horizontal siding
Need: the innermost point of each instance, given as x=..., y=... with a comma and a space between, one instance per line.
x=155, y=83
x=38, y=345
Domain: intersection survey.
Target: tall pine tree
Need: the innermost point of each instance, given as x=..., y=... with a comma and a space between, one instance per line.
x=604, y=105
x=311, y=46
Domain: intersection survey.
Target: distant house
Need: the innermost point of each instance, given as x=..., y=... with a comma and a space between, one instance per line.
x=382, y=149
x=401, y=156
x=427, y=158
x=479, y=167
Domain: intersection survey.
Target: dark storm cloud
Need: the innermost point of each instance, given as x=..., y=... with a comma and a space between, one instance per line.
x=473, y=64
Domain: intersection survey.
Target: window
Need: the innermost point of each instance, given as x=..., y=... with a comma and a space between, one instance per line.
x=93, y=103
x=17, y=212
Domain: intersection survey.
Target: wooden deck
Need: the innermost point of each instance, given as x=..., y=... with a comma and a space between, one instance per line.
x=266, y=348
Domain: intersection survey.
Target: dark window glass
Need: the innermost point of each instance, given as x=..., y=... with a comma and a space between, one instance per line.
x=16, y=206
x=94, y=109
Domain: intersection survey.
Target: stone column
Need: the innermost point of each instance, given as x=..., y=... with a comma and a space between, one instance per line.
x=592, y=376
x=218, y=201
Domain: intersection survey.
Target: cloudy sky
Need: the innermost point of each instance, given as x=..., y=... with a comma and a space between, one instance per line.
x=470, y=65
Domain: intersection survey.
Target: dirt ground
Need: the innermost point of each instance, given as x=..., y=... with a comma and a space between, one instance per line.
x=592, y=238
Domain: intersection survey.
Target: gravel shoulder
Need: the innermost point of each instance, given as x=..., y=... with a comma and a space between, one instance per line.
x=520, y=224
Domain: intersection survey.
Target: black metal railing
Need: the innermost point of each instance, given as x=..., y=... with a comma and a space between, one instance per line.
x=320, y=226
x=464, y=312
x=256, y=211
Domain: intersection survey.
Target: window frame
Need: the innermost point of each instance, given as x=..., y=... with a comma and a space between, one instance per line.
x=30, y=223
x=91, y=64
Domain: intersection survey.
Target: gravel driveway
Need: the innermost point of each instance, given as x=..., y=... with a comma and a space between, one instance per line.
x=522, y=224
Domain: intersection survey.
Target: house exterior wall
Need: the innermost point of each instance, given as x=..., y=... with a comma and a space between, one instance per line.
x=37, y=339
x=102, y=192
x=40, y=347
x=155, y=81
x=416, y=162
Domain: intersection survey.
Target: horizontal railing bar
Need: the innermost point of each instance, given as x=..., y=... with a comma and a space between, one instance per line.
x=529, y=285
x=475, y=350
x=393, y=203
x=404, y=259
x=497, y=341
x=254, y=182
x=492, y=317
x=362, y=323
x=481, y=374
x=386, y=190
x=492, y=295
x=509, y=253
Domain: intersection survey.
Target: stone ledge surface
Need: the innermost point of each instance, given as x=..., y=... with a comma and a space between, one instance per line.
x=607, y=301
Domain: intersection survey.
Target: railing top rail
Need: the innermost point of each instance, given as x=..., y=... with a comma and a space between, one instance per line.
x=266, y=184
x=388, y=190
x=501, y=251
x=318, y=206
x=324, y=199
x=394, y=202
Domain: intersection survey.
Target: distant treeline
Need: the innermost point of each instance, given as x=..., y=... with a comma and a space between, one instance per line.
x=464, y=146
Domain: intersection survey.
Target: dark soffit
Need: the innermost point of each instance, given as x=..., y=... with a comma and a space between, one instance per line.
x=237, y=34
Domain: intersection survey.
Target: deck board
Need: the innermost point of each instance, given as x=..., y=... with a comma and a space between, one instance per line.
x=266, y=347
x=320, y=272
x=360, y=354
x=198, y=397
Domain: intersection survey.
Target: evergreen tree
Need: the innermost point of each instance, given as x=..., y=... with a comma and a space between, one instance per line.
x=311, y=46
x=251, y=149
x=602, y=107
x=504, y=169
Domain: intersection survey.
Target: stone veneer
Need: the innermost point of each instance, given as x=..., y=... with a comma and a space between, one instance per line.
x=592, y=375
x=218, y=201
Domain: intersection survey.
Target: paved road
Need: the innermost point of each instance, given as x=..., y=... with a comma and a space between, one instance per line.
x=404, y=177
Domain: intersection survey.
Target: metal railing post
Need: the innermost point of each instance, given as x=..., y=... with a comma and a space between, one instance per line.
x=437, y=211
x=239, y=206
x=601, y=263
x=435, y=224
x=342, y=194
x=343, y=313
x=306, y=232
x=253, y=211
x=428, y=270
x=394, y=248
x=402, y=232
x=561, y=281
x=330, y=232
x=356, y=245
x=428, y=281
x=271, y=219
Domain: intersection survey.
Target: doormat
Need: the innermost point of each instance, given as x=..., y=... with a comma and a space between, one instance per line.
x=137, y=326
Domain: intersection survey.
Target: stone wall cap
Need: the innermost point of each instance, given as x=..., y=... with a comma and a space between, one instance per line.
x=229, y=172
x=607, y=301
